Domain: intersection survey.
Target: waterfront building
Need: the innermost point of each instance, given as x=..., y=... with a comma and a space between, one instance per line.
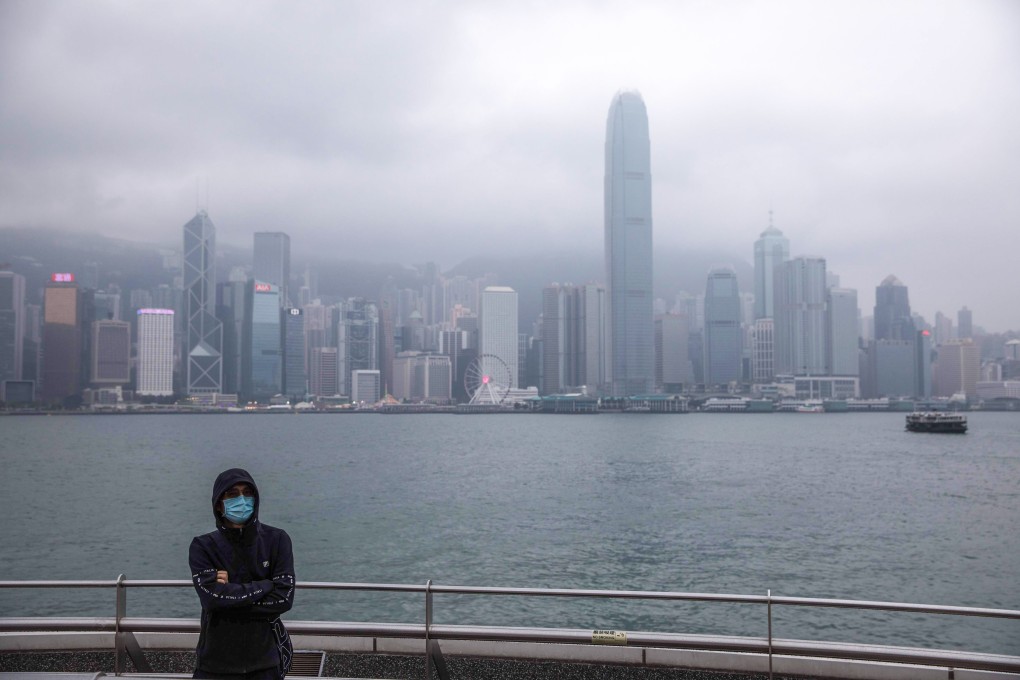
x=357, y=340
x=387, y=333
x=12, y=326
x=365, y=387
x=923, y=355
x=295, y=376
x=800, y=318
x=1011, y=350
x=843, y=346
x=965, y=323
x=271, y=261
x=203, y=348
x=763, y=351
x=563, y=359
x=421, y=377
x=672, y=363
x=628, y=246
x=111, y=353
x=262, y=372
x=723, y=335
x=958, y=369
x=826, y=387
x=770, y=250
x=594, y=309
x=323, y=373
x=155, y=352
x=497, y=334
x=61, y=352
x=987, y=390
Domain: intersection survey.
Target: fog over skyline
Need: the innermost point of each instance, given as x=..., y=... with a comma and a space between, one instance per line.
x=883, y=135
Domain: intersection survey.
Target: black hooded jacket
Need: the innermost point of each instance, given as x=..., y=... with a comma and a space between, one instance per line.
x=241, y=627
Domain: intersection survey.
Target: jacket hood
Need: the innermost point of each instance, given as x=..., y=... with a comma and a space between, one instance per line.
x=227, y=479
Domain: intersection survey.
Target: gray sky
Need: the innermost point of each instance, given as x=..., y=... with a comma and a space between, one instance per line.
x=884, y=135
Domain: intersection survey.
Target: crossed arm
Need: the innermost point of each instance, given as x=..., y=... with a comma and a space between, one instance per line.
x=267, y=596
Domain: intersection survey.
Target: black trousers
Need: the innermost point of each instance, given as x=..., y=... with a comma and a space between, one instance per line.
x=264, y=674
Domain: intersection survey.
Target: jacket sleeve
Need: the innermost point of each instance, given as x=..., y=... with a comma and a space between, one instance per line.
x=280, y=597
x=220, y=595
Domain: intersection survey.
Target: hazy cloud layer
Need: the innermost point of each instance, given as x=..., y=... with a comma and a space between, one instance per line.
x=883, y=134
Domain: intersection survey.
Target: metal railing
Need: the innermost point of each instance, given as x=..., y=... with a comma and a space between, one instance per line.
x=127, y=647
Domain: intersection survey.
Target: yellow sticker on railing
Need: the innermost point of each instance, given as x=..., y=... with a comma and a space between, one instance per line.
x=608, y=637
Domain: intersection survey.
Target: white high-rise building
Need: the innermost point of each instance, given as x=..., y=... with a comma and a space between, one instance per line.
x=498, y=327
x=628, y=246
x=156, y=352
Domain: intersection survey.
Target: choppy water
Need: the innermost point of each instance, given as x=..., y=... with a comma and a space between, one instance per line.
x=833, y=505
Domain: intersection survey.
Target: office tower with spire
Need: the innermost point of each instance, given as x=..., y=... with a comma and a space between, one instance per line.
x=203, y=372
x=628, y=246
x=770, y=250
x=723, y=345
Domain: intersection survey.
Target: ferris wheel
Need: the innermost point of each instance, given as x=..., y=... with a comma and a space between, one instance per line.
x=487, y=380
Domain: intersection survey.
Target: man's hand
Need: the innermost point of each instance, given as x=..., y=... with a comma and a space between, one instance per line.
x=221, y=576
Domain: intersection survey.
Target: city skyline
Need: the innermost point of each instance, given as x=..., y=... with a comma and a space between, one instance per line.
x=485, y=135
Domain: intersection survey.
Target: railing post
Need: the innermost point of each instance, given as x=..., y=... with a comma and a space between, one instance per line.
x=428, y=629
x=119, y=650
x=769, y=593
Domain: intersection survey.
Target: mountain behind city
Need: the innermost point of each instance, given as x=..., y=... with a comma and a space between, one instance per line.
x=37, y=253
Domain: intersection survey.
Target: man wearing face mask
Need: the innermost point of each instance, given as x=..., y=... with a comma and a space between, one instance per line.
x=244, y=575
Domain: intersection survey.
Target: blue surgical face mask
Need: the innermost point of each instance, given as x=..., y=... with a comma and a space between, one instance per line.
x=238, y=510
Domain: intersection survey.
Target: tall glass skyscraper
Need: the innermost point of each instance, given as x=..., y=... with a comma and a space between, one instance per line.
x=262, y=376
x=156, y=351
x=723, y=335
x=204, y=333
x=628, y=246
x=770, y=250
x=498, y=327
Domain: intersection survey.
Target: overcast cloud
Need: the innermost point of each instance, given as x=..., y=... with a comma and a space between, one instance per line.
x=884, y=135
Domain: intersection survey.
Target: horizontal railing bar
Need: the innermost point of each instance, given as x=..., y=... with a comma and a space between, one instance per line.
x=569, y=592
x=58, y=584
x=756, y=645
x=897, y=607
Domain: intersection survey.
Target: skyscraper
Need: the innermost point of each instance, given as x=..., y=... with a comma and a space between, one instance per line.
x=262, y=372
x=841, y=332
x=800, y=320
x=111, y=353
x=204, y=334
x=61, y=339
x=357, y=340
x=628, y=246
x=271, y=262
x=156, y=352
x=295, y=378
x=723, y=335
x=892, y=311
x=965, y=323
x=770, y=250
x=12, y=325
x=498, y=327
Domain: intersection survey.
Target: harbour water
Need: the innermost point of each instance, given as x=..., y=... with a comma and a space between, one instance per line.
x=823, y=505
